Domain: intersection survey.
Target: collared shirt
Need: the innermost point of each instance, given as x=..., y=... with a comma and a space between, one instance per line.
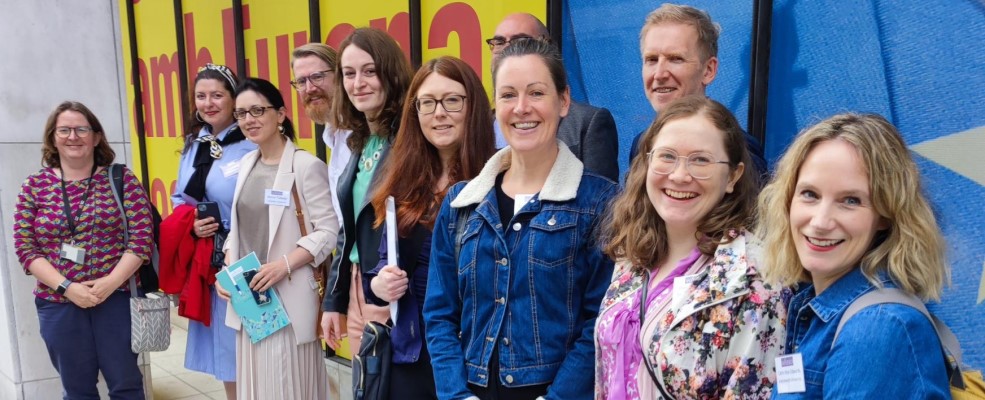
x=888, y=351
x=335, y=140
x=221, y=182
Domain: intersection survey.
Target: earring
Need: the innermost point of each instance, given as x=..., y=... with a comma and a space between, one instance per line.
x=280, y=128
x=198, y=116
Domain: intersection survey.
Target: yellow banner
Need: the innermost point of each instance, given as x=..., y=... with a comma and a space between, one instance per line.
x=271, y=30
x=460, y=29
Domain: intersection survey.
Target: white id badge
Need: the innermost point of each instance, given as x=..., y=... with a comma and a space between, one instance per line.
x=230, y=169
x=273, y=197
x=682, y=286
x=790, y=374
x=72, y=253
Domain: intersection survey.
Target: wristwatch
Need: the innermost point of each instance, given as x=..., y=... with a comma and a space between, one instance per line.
x=63, y=287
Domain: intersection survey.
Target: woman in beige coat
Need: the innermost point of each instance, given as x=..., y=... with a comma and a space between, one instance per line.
x=288, y=363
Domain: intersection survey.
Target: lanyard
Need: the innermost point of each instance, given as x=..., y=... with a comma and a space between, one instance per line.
x=67, y=208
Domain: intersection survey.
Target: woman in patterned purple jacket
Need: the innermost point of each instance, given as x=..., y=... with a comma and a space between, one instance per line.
x=68, y=233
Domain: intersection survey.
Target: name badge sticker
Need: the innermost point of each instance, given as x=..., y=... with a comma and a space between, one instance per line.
x=682, y=286
x=72, y=253
x=790, y=374
x=230, y=169
x=273, y=197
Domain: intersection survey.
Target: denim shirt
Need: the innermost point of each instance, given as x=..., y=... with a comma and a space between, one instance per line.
x=532, y=288
x=886, y=351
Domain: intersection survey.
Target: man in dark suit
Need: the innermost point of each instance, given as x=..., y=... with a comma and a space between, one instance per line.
x=589, y=132
x=679, y=49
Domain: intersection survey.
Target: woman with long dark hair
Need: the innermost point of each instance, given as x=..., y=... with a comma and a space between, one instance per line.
x=373, y=77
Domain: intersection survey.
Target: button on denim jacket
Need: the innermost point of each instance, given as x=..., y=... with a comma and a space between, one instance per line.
x=886, y=351
x=532, y=288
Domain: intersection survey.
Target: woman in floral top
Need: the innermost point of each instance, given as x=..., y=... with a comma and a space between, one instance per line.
x=68, y=233
x=709, y=327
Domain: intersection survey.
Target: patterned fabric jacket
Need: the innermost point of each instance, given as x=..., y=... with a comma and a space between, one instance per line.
x=721, y=338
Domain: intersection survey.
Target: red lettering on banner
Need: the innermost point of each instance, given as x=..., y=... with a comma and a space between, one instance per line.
x=263, y=61
x=399, y=30
x=303, y=123
x=229, y=38
x=461, y=19
x=160, y=198
x=338, y=34
x=197, y=59
x=164, y=68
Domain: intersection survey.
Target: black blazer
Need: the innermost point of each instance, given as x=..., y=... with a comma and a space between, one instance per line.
x=359, y=229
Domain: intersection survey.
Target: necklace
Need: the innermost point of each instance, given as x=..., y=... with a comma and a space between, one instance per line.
x=370, y=156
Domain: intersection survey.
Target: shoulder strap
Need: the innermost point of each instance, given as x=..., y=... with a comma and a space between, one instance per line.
x=893, y=295
x=116, y=176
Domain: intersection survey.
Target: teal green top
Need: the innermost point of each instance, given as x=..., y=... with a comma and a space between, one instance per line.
x=368, y=159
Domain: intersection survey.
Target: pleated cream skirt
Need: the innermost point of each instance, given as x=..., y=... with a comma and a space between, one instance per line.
x=277, y=368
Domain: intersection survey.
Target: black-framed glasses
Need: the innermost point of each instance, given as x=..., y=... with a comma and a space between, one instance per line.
x=315, y=78
x=255, y=111
x=498, y=42
x=451, y=103
x=80, y=131
x=700, y=165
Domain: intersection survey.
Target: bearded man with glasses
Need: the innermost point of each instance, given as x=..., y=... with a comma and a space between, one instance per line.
x=313, y=65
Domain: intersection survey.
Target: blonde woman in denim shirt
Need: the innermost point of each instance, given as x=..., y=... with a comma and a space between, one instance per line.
x=512, y=316
x=844, y=215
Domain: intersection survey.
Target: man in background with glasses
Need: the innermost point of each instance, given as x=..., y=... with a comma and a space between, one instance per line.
x=589, y=132
x=313, y=66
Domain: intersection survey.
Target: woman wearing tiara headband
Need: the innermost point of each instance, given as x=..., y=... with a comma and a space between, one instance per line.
x=209, y=166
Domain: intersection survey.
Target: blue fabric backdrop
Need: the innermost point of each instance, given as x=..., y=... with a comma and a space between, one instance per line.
x=919, y=63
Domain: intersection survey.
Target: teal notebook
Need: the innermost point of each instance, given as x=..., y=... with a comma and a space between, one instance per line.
x=262, y=313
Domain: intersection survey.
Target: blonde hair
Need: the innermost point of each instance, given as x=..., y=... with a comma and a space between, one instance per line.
x=635, y=232
x=708, y=31
x=911, y=250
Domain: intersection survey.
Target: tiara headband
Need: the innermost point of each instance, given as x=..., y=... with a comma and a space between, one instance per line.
x=222, y=70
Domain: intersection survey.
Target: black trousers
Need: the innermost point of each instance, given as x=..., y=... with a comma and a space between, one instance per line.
x=496, y=390
x=413, y=381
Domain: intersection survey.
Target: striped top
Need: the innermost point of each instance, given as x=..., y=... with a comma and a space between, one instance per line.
x=40, y=226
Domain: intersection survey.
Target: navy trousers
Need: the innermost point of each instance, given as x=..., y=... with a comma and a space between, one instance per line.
x=82, y=342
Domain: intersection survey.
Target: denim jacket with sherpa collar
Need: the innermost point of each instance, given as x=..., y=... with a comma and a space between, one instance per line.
x=531, y=288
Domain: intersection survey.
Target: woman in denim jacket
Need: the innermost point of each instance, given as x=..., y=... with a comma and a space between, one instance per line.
x=844, y=215
x=709, y=327
x=516, y=275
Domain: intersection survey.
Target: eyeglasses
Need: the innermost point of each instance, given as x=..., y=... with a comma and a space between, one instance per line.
x=315, y=79
x=700, y=165
x=66, y=131
x=255, y=111
x=451, y=103
x=497, y=43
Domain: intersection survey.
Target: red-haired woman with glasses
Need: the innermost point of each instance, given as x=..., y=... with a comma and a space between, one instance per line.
x=445, y=136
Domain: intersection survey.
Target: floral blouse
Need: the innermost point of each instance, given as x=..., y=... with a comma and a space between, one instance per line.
x=720, y=338
x=40, y=226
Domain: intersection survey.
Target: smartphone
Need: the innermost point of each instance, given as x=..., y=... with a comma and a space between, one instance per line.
x=262, y=298
x=209, y=209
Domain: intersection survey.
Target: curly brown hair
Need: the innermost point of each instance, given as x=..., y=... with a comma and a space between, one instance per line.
x=103, y=154
x=635, y=232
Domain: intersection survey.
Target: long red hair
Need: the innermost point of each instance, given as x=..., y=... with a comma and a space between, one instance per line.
x=412, y=169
